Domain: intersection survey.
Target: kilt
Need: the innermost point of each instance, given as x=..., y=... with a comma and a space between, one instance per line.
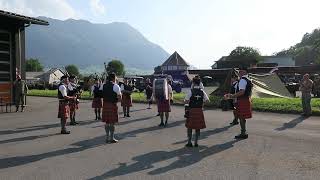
x=126, y=100
x=73, y=106
x=195, y=119
x=64, y=110
x=97, y=103
x=164, y=106
x=110, y=112
x=244, y=108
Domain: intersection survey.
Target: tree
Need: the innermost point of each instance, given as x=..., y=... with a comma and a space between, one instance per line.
x=116, y=66
x=72, y=70
x=33, y=65
x=246, y=56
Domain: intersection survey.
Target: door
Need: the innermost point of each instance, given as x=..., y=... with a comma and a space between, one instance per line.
x=5, y=67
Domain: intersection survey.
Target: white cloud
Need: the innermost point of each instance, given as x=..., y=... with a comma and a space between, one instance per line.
x=97, y=7
x=59, y=9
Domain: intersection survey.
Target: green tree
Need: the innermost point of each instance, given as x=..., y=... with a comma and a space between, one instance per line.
x=73, y=70
x=245, y=56
x=33, y=65
x=116, y=66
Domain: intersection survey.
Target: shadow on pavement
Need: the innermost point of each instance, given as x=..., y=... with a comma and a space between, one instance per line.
x=206, y=134
x=40, y=127
x=134, y=120
x=81, y=146
x=292, y=124
x=27, y=138
x=186, y=157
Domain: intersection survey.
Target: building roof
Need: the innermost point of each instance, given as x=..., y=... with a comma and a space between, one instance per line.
x=23, y=18
x=175, y=60
x=32, y=75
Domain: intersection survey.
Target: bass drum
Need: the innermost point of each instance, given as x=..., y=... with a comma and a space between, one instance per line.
x=160, y=89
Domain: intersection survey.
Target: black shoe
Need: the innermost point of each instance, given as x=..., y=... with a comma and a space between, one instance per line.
x=161, y=124
x=149, y=108
x=113, y=141
x=99, y=118
x=107, y=140
x=76, y=122
x=241, y=136
x=165, y=124
x=196, y=145
x=65, y=132
x=189, y=145
x=96, y=118
x=158, y=114
x=128, y=115
x=73, y=123
x=234, y=123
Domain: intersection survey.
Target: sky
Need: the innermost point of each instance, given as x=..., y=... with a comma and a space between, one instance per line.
x=201, y=31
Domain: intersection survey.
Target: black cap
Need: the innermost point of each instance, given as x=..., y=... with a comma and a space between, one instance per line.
x=243, y=68
x=63, y=77
x=111, y=76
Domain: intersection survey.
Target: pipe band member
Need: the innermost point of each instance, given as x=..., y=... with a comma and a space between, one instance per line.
x=244, y=106
x=163, y=95
x=97, y=98
x=111, y=96
x=195, y=119
x=149, y=92
x=233, y=102
x=64, y=109
x=126, y=101
x=73, y=104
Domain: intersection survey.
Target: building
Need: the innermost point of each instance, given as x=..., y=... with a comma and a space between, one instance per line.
x=48, y=79
x=12, y=50
x=177, y=68
x=267, y=61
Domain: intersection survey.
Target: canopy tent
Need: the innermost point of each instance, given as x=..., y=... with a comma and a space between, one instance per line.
x=264, y=86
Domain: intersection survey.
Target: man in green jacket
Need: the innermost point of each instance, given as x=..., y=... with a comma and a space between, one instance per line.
x=21, y=90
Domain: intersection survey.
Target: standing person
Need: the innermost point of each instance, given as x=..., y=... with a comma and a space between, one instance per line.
x=73, y=104
x=21, y=89
x=126, y=101
x=195, y=119
x=111, y=96
x=306, y=88
x=97, y=98
x=163, y=97
x=149, y=92
x=233, y=102
x=64, y=109
x=243, y=95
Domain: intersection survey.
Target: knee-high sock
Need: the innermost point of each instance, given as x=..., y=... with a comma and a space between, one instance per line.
x=112, y=129
x=63, y=124
x=243, y=125
x=167, y=116
x=107, y=129
x=99, y=113
x=197, y=136
x=161, y=117
x=128, y=110
x=189, y=132
x=96, y=112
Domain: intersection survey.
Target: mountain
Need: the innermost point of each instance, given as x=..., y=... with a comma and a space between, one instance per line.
x=83, y=43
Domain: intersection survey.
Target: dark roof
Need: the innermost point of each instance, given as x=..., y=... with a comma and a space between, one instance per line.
x=23, y=18
x=175, y=60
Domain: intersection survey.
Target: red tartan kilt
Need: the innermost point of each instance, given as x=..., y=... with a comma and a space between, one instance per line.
x=164, y=106
x=126, y=100
x=110, y=113
x=97, y=103
x=244, y=108
x=64, y=110
x=195, y=119
x=73, y=106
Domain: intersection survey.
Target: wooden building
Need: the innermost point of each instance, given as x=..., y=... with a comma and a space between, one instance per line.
x=12, y=50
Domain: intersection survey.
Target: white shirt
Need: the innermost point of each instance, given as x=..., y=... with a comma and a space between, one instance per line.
x=63, y=90
x=243, y=83
x=116, y=88
x=205, y=96
x=170, y=91
x=201, y=85
x=93, y=87
x=71, y=86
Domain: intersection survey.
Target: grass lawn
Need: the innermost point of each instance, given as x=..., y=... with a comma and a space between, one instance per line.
x=281, y=105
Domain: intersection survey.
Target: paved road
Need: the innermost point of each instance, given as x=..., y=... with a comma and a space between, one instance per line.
x=279, y=147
